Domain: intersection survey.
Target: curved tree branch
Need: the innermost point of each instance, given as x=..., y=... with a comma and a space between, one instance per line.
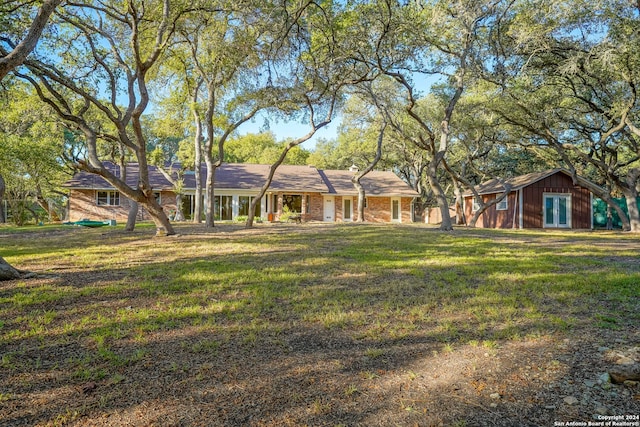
x=19, y=53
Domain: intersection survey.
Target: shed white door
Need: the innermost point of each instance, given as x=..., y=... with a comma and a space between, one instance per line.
x=329, y=209
x=557, y=210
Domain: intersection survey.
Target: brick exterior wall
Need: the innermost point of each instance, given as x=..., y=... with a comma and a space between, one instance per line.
x=339, y=205
x=83, y=204
x=378, y=209
x=405, y=203
x=316, y=208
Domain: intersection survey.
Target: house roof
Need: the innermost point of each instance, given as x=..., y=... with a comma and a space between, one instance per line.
x=375, y=183
x=247, y=176
x=86, y=180
x=495, y=186
x=305, y=178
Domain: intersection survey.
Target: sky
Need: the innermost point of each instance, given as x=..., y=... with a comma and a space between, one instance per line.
x=287, y=130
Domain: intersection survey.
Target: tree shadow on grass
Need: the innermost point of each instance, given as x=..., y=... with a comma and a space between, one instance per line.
x=347, y=329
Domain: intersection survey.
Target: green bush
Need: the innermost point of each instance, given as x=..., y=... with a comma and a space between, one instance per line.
x=287, y=214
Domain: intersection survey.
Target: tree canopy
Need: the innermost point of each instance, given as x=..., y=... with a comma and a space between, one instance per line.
x=467, y=90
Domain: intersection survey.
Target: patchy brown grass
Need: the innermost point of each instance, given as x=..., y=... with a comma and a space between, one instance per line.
x=315, y=324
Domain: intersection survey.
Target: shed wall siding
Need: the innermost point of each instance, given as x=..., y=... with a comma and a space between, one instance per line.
x=533, y=213
x=492, y=217
x=532, y=201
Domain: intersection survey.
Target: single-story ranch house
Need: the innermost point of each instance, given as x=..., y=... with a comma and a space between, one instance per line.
x=546, y=199
x=317, y=195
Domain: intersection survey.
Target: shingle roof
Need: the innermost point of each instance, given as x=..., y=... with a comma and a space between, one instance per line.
x=237, y=176
x=86, y=180
x=495, y=186
x=375, y=183
x=303, y=178
x=247, y=176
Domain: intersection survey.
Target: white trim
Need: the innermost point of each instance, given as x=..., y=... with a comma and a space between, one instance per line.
x=520, y=209
x=110, y=195
x=556, y=210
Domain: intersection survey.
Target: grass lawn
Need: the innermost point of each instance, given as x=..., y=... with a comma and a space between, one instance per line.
x=315, y=325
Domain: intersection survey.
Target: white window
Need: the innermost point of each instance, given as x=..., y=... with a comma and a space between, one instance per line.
x=502, y=205
x=108, y=198
x=476, y=204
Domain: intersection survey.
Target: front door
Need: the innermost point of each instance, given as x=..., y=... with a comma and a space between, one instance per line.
x=329, y=209
x=557, y=210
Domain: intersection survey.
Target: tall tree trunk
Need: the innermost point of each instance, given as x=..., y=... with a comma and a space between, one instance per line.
x=208, y=154
x=7, y=272
x=133, y=216
x=361, y=198
x=179, y=216
x=197, y=167
x=624, y=219
x=460, y=217
x=209, y=191
x=159, y=217
x=631, y=197
x=634, y=214
x=438, y=192
x=2, y=191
